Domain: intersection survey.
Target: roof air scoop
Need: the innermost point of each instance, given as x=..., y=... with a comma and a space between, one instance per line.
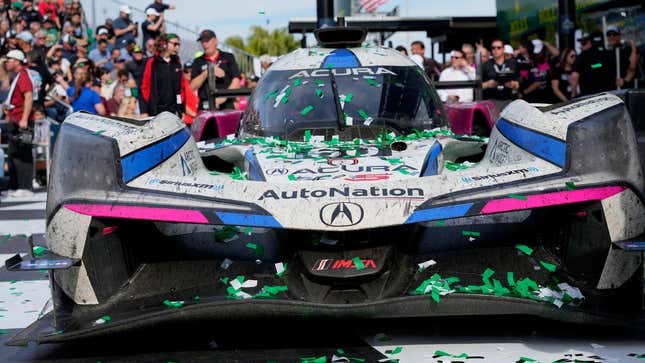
x=340, y=36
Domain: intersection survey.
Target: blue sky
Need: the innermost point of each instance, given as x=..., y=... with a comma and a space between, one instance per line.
x=234, y=17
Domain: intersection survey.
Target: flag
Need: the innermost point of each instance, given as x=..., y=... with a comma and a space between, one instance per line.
x=370, y=6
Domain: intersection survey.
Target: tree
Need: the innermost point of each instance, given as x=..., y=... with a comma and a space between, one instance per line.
x=276, y=42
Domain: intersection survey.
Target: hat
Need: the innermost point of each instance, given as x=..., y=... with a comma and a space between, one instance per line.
x=137, y=49
x=17, y=5
x=206, y=34
x=25, y=36
x=17, y=55
x=613, y=29
x=585, y=36
x=188, y=64
x=537, y=46
x=102, y=31
x=125, y=9
x=11, y=33
x=508, y=49
x=68, y=39
x=152, y=11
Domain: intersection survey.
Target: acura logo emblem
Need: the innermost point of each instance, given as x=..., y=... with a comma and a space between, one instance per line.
x=277, y=171
x=341, y=214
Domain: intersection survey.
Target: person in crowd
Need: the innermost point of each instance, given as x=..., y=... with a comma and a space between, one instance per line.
x=18, y=109
x=469, y=52
x=153, y=26
x=49, y=11
x=499, y=76
x=539, y=85
x=192, y=101
x=107, y=83
x=113, y=65
x=109, y=25
x=29, y=13
x=101, y=56
x=459, y=70
x=136, y=68
x=40, y=45
x=627, y=55
x=508, y=52
x=561, y=74
x=124, y=28
x=594, y=70
x=69, y=48
x=225, y=68
x=265, y=63
x=76, y=23
x=150, y=48
x=160, y=6
x=82, y=96
x=163, y=85
x=56, y=99
x=432, y=68
x=401, y=49
x=114, y=102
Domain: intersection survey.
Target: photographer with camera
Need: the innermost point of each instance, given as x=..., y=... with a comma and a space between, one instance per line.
x=500, y=75
x=18, y=111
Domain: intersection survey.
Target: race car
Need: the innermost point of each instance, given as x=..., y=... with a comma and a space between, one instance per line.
x=344, y=195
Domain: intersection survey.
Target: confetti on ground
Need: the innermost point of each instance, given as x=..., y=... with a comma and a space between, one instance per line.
x=173, y=304
x=319, y=93
x=226, y=234
x=226, y=264
x=426, y=264
x=39, y=250
x=526, y=249
x=102, y=320
x=280, y=268
x=322, y=359
x=548, y=266
x=470, y=233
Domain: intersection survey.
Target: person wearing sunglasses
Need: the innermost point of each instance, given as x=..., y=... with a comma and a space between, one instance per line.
x=163, y=83
x=500, y=75
x=459, y=70
x=595, y=69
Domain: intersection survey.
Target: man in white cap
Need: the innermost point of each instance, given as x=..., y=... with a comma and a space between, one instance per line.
x=124, y=29
x=459, y=70
x=153, y=26
x=18, y=110
x=508, y=52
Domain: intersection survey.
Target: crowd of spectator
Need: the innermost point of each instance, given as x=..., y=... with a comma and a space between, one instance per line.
x=536, y=71
x=51, y=64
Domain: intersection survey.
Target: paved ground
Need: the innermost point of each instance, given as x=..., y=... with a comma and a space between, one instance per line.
x=25, y=296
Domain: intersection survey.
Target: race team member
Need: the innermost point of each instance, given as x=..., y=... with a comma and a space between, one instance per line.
x=18, y=111
x=163, y=84
x=459, y=70
x=432, y=68
x=594, y=70
x=227, y=72
x=628, y=55
x=499, y=76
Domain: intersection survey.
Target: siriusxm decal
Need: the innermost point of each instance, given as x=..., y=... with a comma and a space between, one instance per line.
x=372, y=192
x=471, y=179
x=157, y=181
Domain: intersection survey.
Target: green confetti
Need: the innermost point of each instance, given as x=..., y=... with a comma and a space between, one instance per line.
x=237, y=174
x=486, y=276
x=510, y=278
x=440, y=223
x=292, y=177
x=319, y=83
x=470, y=233
x=454, y=166
x=307, y=135
x=396, y=350
x=39, y=251
x=248, y=230
x=173, y=304
x=319, y=92
x=571, y=185
x=297, y=82
x=273, y=94
x=372, y=82
x=382, y=337
x=226, y=233
x=322, y=359
x=262, y=12
x=259, y=249
x=435, y=295
x=3, y=332
x=526, y=249
x=358, y=263
x=596, y=65
x=548, y=266
x=348, y=97
x=306, y=110
x=518, y=196
x=363, y=114
x=213, y=173
x=99, y=132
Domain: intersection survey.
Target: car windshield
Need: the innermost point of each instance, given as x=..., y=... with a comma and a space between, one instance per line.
x=372, y=100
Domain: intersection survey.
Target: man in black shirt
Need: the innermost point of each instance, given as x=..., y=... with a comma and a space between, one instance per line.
x=162, y=79
x=225, y=68
x=136, y=67
x=153, y=26
x=628, y=55
x=499, y=75
x=594, y=70
x=160, y=7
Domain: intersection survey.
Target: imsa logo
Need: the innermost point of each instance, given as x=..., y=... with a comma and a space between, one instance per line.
x=327, y=264
x=342, y=214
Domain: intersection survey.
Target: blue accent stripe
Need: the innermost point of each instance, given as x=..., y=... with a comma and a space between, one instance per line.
x=253, y=220
x=255, y=171
x=433, y=214
x=140, y=161
x=341, y=58
x=431, y=164
x=544, y=146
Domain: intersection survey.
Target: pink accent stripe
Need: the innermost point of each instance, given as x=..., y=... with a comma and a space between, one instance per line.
x=133, y=212
x=556, y=198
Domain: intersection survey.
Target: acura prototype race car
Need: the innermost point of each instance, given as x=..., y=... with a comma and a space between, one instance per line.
x=343, y=195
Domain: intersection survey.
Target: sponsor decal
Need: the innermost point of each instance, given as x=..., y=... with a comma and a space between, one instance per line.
x=368, y=177
x=341, y=161
x=339, y=72
x=276, y=171
x=500, y=152
x=471, y=179
x=327, y=264
x=355, y=169
x=157, y=181
x=306, y=193
x=341, y=214
x=185, y=168
x=580, y=104
x=331, y=153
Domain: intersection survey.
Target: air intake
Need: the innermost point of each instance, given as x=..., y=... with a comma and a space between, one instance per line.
x=340, y=36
